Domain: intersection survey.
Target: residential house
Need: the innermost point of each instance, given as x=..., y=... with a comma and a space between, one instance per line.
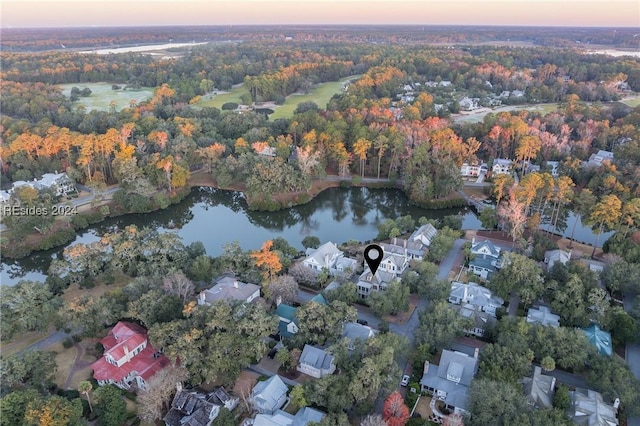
x=554, y=168
x=405, y=248
x=476, y=295
x=596, y=160
x=368, y=282
x=129, y=359
x=551, y=257
x=230, y=290
x=60, y=183
x=502, y=166
x=268, y=151
x=539, y=389
x=394, y=263
x=330, y=257
x=473, y=170
x=517, y=94
x=197, y=408
x=269, y=396
x=316, y=362
x=486, y=259
x=449, y=381
x=543, y=316
x=469, y=104
x=5, y=196
x=303, y=417
x=356, y=333
x=288, y=325
x=482, y=321
x=425, y=234
x=599, y=338
x=588, y=408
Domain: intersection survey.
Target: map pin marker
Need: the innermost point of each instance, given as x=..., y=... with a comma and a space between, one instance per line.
x=373, y=256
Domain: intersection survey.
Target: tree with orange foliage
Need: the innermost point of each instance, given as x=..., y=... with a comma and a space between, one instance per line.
x=166, y=164
x=211, y=154
x=267, y=260
x=395, y=412
x=360, y=148
x=259, y=146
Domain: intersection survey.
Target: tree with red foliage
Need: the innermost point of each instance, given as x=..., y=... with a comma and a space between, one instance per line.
x=395, y=412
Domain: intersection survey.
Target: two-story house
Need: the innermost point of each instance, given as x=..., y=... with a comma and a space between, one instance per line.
x=486, y=258
x=316, y=362
x=476, y=295
x=329, y=257
x=539, y=389
x=269, y=396
x=369, y=282
x=304, y=417
x=129, y=360
x=230, y=290
x=198, y=408
x=543, y=316
x=356, y=334
x=587, y=407
x=449, y=381
x=502, y=166
x=481, y=322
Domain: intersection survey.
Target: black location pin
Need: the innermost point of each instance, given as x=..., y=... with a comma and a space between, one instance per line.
x=373, y=256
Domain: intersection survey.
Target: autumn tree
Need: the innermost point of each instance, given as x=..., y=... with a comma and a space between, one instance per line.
x=267, y=261
x=373, y=420
x=605, y=215
x=283, y=288
x=360, y=148
x=54, y=411
x=512, y=212
x=179, y=285
x=394, y=411
x=156, y=399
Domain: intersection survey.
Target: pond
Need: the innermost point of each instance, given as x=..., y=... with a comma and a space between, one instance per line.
x=216, y=217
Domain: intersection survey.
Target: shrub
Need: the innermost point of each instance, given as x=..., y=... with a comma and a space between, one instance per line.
x=279, y=100
x=58, y=238
x=67, y=343
x=229, y=106
x=356, y=180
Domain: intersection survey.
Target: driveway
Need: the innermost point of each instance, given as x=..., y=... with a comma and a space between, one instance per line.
x=632, y=354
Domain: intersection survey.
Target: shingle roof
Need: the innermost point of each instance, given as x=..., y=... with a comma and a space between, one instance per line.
x=588, y=408
x=269, y=391
x=327, y=249
x=354, y=331
x=316, y=357
x=539, y=389
x=453, y=376
x=380, y=277
x=543, y=316
x=229, y=289
x=493, y=250
x=474, y=294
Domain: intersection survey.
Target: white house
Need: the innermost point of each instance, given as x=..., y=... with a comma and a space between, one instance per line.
x=425, y=234
x=449, y=381
x=554, y=168
x=543, y=316
x=330, y=257
x=476, y=295
x=596, y=160
x=588, y=408
x=551, y=257
x=486, y=258
x=502, y=166
x=469, y=104
x=472, y=170
x=60, y=183
x=368, y=282
x=229, y=289
x=303, y=417
x=394, y=263
x=316, y=362
x=269, y=396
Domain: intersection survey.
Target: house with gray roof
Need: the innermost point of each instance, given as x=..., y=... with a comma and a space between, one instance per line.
x=449, y=381
x=600, y=339
x=543, y=316
x=229, y=289
x=394, y=263
x=481, y=321
x=502, y=166
x=369, y=283
x=356, y=333
x=303, y=417
x=486, y=258
x=269, y=396
x=424, y=235
x=316, y=362
x=476, y=295
x=539, y=389
x=596, y=160
x=329, y=257
x=198, y=408
x=411, y=250
x=588, y=408
x=551, y=257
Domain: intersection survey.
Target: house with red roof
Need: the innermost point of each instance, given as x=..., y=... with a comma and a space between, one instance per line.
x=129, y=360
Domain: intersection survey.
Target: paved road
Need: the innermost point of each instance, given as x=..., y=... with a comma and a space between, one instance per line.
x=568, y=379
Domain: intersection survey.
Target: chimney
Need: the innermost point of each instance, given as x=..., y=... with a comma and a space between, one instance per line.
x=553, y=383
x=235, y=284
x=616, y=404
x=425, y=369
x=476, y=352
x=405, y=245
x=395, y=239
x=278, y=300
x=126, y=349
x=179, y=386
x=473, y=241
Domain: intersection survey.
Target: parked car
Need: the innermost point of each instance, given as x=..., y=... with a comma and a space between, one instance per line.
x=363, y=322
x=405, y=380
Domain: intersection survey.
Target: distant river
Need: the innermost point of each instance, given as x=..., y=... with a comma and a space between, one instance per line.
x=216, y=217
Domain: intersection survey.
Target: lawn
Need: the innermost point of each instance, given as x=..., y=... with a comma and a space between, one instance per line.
x=321, y=94
x=222, y=98
x=65, y=359
x=632, y=102
x=102, y=95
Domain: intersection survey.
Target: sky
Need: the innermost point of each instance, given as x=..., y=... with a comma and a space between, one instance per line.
x=83, y=13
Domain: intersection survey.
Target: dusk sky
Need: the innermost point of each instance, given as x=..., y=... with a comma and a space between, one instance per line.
x=80, y=13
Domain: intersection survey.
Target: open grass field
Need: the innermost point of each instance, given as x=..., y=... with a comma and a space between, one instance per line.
x=477, y=117
x=632, y=102
x=64, y=360
x=216, y=101
x=321, y=94
x=102, y=95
